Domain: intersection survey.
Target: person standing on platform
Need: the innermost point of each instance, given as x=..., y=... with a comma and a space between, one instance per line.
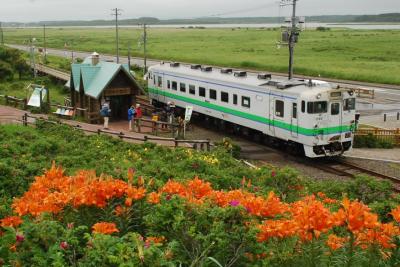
x=131, y=117
x=138, y=116
x=105, y=113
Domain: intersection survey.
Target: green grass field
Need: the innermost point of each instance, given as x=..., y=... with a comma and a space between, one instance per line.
x=363, y=55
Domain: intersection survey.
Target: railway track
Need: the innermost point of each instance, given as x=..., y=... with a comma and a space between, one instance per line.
x=345, y=169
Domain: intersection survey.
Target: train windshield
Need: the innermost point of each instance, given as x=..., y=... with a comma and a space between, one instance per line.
x=317, y=107
x=349, y=104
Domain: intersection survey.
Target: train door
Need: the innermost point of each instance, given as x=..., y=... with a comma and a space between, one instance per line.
x=336, y=115
x=272, y=116
x=294, y=127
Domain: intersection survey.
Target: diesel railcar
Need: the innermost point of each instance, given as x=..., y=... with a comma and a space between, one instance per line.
x=312, y=115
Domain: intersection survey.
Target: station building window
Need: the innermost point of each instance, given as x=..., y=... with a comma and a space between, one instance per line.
x=202, y=91
x=235, y=99
x=317, y=107
x=279, y=108
x=174, y=86
x=213, y=94
x=182, y=87
x=246, y=101
x=335, y=108
x=192, y=89
x=225, y=97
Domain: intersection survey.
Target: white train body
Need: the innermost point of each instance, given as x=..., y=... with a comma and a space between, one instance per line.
x=310, y=113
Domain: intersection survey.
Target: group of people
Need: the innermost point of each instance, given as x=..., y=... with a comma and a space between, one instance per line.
x=134, y=114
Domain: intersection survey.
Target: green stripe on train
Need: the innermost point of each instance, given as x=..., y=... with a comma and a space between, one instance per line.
x=276, y=123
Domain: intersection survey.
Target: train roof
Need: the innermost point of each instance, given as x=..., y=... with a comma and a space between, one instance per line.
x=261, y=81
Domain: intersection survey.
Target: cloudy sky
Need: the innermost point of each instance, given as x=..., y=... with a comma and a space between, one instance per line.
x=42, y=10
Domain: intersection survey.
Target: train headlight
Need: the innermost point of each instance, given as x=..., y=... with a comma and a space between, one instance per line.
x=351, y=93
x=318, y=96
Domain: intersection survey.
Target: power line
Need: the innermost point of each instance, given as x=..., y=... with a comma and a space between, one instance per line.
x=116, y=14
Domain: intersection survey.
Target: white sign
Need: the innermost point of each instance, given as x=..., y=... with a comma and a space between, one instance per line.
x=188, y=113
x=34, y=101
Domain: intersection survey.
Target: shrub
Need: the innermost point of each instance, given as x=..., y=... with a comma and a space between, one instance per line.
x=370, y=141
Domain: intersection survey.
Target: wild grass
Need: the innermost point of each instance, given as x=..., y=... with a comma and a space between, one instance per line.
x=362, y=55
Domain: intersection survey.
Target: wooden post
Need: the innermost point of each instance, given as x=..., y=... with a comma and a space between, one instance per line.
x=25, y=119
x=208, y=145
x=48, y=101
x=40, y=101
x=176, y=142
x=139, y=124
x=121, y=135
x=98, y=131
x=145, y=138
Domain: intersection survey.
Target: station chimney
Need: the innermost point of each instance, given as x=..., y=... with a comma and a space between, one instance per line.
x=95, y=58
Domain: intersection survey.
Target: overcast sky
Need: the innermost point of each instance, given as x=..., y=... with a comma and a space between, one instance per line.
x=42, y=10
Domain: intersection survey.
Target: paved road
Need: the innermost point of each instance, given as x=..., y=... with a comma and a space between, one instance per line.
x=394, y=89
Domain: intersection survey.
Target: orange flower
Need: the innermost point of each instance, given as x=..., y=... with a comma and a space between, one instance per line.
x=335, y=242
x=154, y=198
x=105, y=228
x=12, y=221
x=155, y=240
x=278, y=228
x=396, y=214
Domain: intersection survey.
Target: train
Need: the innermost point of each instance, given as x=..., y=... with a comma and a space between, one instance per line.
x=311, y=116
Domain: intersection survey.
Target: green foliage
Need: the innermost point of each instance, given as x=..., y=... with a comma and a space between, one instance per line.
x=371, y=141
x=229, y=146
x=11, y=62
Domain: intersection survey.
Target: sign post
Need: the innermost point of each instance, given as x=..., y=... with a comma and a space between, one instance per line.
x=188, y=116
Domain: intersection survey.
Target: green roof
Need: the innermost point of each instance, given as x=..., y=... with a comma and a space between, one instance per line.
x=95, y=78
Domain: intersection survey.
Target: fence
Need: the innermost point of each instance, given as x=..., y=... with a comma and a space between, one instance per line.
x=204, y=145
x=382, y=134
x=15, y=101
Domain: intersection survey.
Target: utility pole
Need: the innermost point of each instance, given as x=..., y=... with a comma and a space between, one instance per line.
x=129, y=56
x=32, y=48
x=144, y=47
x=293, y=33
x=116, y=14
x=44, y=44
x=1, y=34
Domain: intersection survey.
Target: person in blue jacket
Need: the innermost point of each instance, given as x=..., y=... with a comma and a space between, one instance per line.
x=131, y=117
x=105, y=113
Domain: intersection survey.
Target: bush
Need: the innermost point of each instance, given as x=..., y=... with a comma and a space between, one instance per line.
x=370, y=141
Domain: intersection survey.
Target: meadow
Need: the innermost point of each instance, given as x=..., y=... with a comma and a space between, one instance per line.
x=361, y=55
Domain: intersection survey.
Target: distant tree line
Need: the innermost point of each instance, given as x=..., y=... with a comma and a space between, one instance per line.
x=12, y=62
x=390, y=17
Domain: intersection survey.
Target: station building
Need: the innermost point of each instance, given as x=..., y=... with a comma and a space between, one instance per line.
x=94, y=82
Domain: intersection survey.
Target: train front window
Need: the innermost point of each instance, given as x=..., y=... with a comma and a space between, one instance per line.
x=317, y=107
x=349, y=104
x=335, y=108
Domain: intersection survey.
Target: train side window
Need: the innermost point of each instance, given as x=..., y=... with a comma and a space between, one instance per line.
x=279, y=108
x=294, y=111
x=335, y=108
x=174, y=86
x=202, y=91
x=235, y=99
x=303, y=106
x=225, y=97
x=246, y=101
x=182, y=87
x=192, y=89
x=168, y=84
x=213, y=94
x=159, y=81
